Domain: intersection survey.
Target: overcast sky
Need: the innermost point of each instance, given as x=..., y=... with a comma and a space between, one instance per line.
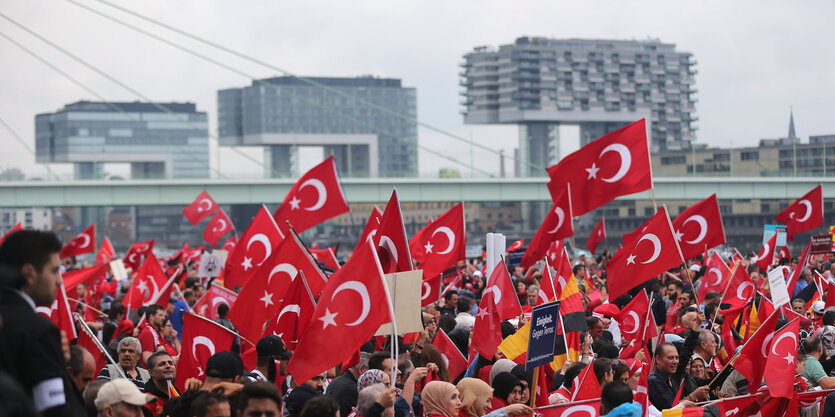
x=755, y=59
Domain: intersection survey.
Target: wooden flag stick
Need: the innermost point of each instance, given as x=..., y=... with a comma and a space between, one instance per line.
x=534, y=388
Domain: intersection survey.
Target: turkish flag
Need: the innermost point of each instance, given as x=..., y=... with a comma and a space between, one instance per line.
x=202, y=338
x=597, y=235
x=83, y=276
x=86, y=341
x=216, y=295
x=588, y=408
x=804, y=214
x=441, y=244
x=188, y=254
x=699, y=227
x=218, y=226
x=203, y=206
x=781, y=361
x=716, y=277
x=556, y=226
x=616, y=164
x=353, y=305
x=294, y=313
x=630, y=317
x=430, y=291
x=147, y=284
x=504, y=294
x=519, y=244
x=59, y=313
x=390, y=240
x=315, y=197
x=740, y=289
x=254, y=247
x=260, y=298
x=17, y=227
x=229, y=245
x=554, y=254
x=455, y=361
x=547, y=291
x=784, y=253
x=487, y=331
x=752, y=358
x=85, y=242
x=640, y=261
x=135, y=254
x=325, y=257
x=630, y=237
x=801, y=265
x=371, y=226
x=106, y=252
x=586, y=385
x=766, y=255
x=732, y=406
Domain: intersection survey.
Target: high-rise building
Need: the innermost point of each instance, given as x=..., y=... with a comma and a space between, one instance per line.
x=159, y=140
x=600, y=85
x=284, y=113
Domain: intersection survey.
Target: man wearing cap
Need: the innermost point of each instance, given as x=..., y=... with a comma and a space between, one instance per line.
x=120, y=397
x=343, y=389
x=223, y=373
x=162, y=370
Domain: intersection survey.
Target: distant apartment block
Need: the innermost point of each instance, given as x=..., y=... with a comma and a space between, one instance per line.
x=158, y=140
x=600, y=85
x=284, y=113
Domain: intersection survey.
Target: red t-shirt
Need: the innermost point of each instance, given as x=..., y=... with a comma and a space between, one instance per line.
x=149, y=338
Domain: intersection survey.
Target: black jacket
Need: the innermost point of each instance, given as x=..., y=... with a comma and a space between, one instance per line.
x=343, y=390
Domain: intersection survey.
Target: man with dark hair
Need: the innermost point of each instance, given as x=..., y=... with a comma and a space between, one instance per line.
x=81, y=367
x=813, y=372
x=269, y=350
x=617, y=395
x=222, y=311
x=149, y=335
x=799, y=306
x=304, y=392
x=381, y=361
x=32, y=351
x=450, y=303
x=162, y=370
x=320, y=407
x=563, y=393
x=90, y=394
x=209, y=404
x=603, y=371
x=595, y=326
x=343, y=388
x=259, y=399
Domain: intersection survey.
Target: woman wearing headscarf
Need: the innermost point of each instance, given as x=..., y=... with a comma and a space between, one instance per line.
x=475, y=397
x=507, y=389
x=501, y=365
x=440, y=399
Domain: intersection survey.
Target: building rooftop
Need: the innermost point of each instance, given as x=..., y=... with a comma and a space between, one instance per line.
x=363, y=81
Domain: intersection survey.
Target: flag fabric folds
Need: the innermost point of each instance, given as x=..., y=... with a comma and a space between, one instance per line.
x=202, y=338
x=699, y=228
x=203, y=206
x=766, y=256
x=317, y=196
x=390, y=240
x=557, y=225
x=804, y=214
x=254, y=247
x=441, y=244
x=597, y=236
x=85, y=242
x=218, y=226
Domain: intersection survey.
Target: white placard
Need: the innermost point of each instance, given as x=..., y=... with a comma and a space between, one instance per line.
x=406, y=297
x=779, y=291
x=117, y=270
x=210, y=265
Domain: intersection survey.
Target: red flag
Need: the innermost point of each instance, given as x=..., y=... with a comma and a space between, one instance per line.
x=85, y=341
x=315, y=197
x=229, y=245
x=642, y=392
x=202, y=338
x=59, y=313
x=371, y=226
x=554, y=254
x=294, y=313
x=752, y=358
x=590, y=408
x=784, y=253
x=390, y=240
x=641, y=261
x=260, y=298
x=455, y=361
x=699, y=227
x=519, y=244
x=17, y=227
x=732, y=406
x=147, y=285
x=556, y=226
x=504, y=295
x=801, y=265
x=547, y=289
x=592, y=171
x=804, y=214
x=782, y=360
x=740, y=289
x=629, y=318
x=218, y=226
x=441, y=243
x=586, y=385
x=716, y=277
x=630, y=237
x=257, y=243
x=353, y=305
x=85, y=242
x=766, y=255
x=597, y=235
x=431, y=290
x=134, y=257
x=84, y=275
x=106, y=252
x=487, y=331
x=216, y=295
x=203, y=206
x=325, y=257
x=188, y=254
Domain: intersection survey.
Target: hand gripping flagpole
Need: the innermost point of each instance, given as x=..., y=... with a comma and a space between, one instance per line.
x=86, y=329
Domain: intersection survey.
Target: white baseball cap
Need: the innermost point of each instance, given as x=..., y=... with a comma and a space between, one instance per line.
x=121, y=390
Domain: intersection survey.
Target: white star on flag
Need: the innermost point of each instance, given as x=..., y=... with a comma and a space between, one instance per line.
x=630, y=259
x=294, y=203
x=679, y=235
x=481, y=312
x=592, y=171
x=143, y=286
x=327, y=318
x=428, y=247
x=267, y=298
x=247, y=263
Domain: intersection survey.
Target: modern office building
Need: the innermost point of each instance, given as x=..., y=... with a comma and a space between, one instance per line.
x=367, y=123
x=600, y=85
x=30, y=218
x=158, y=140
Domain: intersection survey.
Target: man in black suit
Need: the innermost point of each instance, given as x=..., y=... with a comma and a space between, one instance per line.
x=32, y=351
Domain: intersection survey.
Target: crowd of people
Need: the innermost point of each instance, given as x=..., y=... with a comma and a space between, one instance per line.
x=42, y=372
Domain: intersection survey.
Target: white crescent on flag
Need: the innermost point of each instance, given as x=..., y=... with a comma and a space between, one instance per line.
x=360, y=289
x=321, y=191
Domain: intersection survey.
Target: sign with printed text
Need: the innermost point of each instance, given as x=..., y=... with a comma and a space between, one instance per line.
x=770, y=229
x=779, y=291
x=210, y=265
x=543, y=335
x=821, y=244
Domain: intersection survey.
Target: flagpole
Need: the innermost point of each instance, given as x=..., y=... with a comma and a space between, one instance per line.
x=87, y=306
x=225, y=328
x=315, y=262
x=654, y=204
x=728, y=284
x=440, y=285
x=97, y=342
x=393, y=340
